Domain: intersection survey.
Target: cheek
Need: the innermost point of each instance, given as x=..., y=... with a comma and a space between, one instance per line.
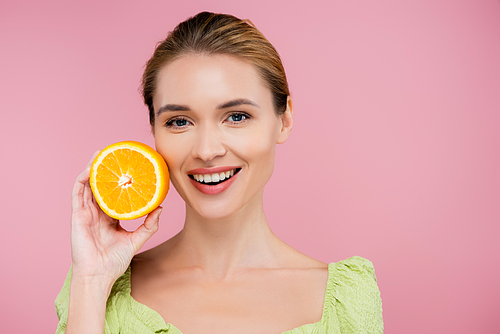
x=256, y=147
x=169, y=151
x=172, y=154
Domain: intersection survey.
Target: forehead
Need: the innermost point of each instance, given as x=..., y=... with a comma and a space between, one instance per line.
x=193, y=79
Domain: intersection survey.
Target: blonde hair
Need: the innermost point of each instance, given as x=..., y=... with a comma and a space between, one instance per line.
x=210, y=33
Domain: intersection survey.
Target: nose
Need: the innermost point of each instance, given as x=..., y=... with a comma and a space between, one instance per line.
x=208, y=144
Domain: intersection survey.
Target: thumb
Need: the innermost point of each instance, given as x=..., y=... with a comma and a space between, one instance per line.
x=146, y=230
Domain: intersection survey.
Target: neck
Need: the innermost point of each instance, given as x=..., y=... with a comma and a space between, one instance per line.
x=221, y=246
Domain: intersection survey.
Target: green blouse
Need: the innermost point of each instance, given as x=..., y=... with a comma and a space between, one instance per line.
x=352, y=304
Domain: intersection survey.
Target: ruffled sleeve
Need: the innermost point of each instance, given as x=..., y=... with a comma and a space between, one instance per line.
x=62, y=302
x=355, y=296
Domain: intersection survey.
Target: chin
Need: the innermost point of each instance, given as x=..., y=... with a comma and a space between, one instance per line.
x=214, y=211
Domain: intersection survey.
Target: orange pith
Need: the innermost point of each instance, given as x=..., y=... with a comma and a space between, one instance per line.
x=129, y=179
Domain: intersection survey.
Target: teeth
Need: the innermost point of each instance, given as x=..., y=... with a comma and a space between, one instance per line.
x=216, y=177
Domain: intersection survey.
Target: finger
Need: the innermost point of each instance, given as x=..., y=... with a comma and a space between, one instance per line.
x=146, y=230
x=77, y=196
x=88, y=195
x=93, y=158
x=81, y=189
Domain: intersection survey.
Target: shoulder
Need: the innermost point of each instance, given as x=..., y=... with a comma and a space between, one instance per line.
x=353, y=280
x=353, y=270
x=354, y=295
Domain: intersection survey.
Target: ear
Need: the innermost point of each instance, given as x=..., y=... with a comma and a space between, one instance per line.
x=286, y=122
x=153, y=128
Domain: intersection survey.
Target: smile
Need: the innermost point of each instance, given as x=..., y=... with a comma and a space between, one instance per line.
x=213, y=179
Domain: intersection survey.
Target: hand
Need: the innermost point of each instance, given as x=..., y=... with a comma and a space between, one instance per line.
x=100, y=247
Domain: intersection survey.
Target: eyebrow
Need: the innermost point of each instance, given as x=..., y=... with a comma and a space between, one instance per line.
x=237, y=102
x=229, y=104
x=172, y=107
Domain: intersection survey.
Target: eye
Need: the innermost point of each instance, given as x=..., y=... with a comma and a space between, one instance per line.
x=238, y=117
x=177, y=122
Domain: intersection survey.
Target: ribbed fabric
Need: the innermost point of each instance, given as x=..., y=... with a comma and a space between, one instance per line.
x=352, y=305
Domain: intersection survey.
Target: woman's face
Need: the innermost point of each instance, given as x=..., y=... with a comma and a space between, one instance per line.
x=216, y=128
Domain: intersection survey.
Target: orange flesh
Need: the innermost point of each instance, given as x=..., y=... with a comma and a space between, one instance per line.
x=126, y=180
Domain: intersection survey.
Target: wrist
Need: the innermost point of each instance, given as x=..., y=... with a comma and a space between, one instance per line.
x=94, y=284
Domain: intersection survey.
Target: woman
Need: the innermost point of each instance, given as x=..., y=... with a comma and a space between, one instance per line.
x=218, y=103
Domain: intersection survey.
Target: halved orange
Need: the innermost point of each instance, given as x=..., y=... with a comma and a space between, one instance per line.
x=129, y=179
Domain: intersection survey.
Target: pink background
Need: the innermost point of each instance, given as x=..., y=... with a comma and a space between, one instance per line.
x=394, y=156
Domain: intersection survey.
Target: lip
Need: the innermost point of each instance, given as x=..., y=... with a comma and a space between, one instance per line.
x=217, y=189
x=212, y=170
